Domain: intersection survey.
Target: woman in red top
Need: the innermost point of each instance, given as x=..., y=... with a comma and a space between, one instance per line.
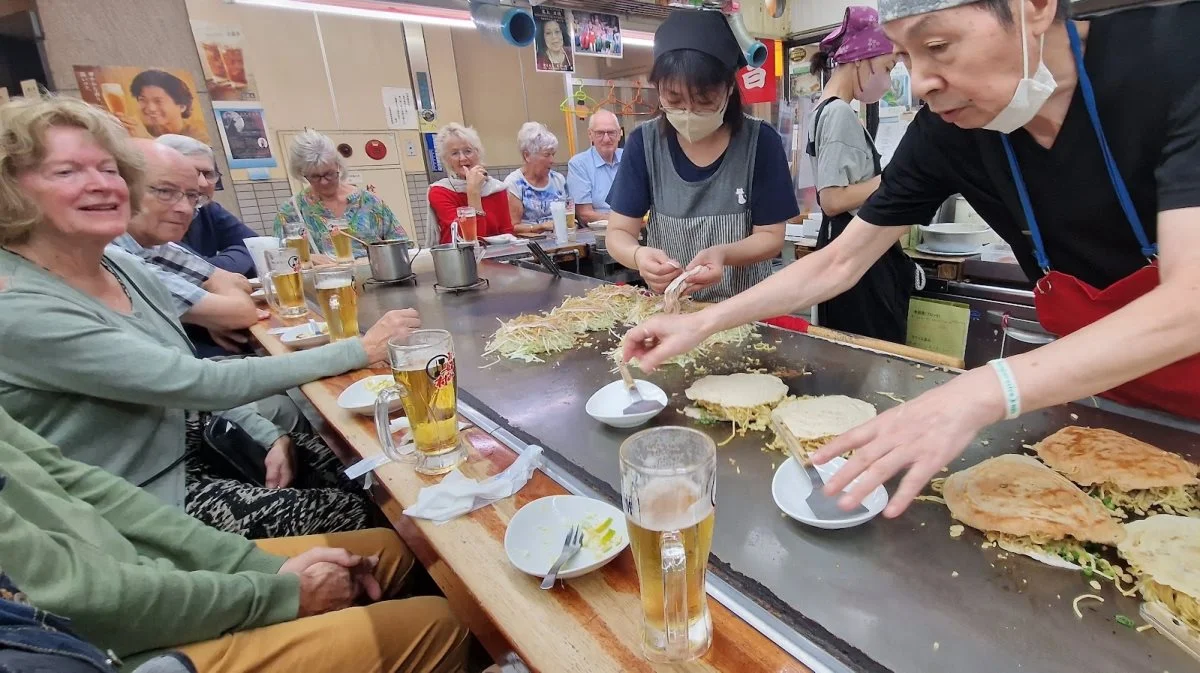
x=467, y=183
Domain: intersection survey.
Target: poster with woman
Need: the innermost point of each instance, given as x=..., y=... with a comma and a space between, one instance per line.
x=150, y=102
x=597, y=34
x=552, y=40
x=223, y=58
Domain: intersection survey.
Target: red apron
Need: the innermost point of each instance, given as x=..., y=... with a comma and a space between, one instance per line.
x=1066, y=304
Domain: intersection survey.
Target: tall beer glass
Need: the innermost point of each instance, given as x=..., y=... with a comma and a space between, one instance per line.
x=343, y=247
x=426, y=382
x=668, y=486
x=296, y=237
x=285, y=285
x=338, y=301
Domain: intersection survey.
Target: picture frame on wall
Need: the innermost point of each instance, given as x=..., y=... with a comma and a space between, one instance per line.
x=554, y=48
x=243, y=128
x=597, y=34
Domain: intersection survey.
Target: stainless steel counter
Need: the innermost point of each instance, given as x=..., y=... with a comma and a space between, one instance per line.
x=881, y=597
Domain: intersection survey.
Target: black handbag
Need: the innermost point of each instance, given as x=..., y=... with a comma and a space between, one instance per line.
x=232, y=451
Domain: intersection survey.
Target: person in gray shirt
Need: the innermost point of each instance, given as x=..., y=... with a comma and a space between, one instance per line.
x=94, y=358
x=858, y=59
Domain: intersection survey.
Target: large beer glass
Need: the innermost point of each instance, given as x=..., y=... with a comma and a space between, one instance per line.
x=339, y=236
x=284, y=285
x=668, y=486
x=338, y=301
x=426, y=382
x=296, y=237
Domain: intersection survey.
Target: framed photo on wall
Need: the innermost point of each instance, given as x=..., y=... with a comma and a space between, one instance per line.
x=552, y=40
x=597, y=34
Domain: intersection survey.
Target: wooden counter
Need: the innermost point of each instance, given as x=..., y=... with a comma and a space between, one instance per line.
x=592, y=623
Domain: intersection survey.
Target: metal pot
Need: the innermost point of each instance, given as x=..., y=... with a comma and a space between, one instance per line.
x=390, y=259
x=455, y=265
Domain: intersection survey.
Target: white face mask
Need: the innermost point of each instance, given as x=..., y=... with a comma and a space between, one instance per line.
x=1032, y=92
x=878, y=83
x=694, y=127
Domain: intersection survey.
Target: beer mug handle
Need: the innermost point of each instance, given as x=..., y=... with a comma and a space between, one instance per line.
x=269, y=289
x=333, y=318
x=675, y=592
x=383, y=428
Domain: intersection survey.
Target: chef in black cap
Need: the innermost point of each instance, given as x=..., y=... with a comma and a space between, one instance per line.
x=714, y=181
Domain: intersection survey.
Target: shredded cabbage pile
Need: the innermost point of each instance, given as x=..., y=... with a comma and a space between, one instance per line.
x=1169, y=500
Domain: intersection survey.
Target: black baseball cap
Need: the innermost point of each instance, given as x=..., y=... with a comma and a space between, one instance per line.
x=705, y=31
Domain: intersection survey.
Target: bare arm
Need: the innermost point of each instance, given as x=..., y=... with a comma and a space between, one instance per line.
x=622, y=238
x=224, y=310
x=839, y=200
x=587, y=214
x=764, y=243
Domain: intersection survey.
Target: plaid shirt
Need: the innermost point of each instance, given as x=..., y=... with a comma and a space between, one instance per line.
x=181, y=270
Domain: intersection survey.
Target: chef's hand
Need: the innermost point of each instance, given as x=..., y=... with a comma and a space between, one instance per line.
x=657, y=268
x=922, y=436
x=476, y=176
x=713, y=261
x=393, y=325
x=661, y=338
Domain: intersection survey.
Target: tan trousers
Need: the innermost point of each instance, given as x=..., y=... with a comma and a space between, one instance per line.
x=417, y=635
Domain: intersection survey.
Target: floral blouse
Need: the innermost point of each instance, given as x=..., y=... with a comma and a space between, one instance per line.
x=369, y=219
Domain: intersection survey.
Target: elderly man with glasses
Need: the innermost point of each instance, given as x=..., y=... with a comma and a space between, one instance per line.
x=215, y=233
x=590, y=174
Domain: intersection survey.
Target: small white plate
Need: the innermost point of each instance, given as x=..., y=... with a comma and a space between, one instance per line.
x=359, y=399
x=608, y=404
x=598, y=224
x=931, y=251
x=501, y=239
x=536, y=533
x=791, y=487
x=301, y=337
x=259, y=295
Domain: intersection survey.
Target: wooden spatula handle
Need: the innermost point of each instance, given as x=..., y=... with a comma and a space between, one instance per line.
x=626, y=376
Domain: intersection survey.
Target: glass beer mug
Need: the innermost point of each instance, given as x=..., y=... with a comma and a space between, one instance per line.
x=426, y=383
x=284, y=285
x=338, y=301
x=339, y=237
x=296, y=238
x=668, y=486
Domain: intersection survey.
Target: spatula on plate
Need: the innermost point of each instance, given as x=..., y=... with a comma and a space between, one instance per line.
x=824, y=507
x=640, y=405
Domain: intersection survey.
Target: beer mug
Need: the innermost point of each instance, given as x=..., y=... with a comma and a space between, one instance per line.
x=468, y=224
x=114, y=98
x=296, y=237
x=284, y=285
x=343, y=245
x=338, y=301
x=668, y=487
x=426, y=383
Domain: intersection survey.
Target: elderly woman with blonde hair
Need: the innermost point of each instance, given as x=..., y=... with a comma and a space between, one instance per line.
x=467, y=185
x=328, y=199
x=536, y=184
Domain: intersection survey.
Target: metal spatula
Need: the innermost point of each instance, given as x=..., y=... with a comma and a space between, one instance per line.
x=823, y=507
x=640, y=405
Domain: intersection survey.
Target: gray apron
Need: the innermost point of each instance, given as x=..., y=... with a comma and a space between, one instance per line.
x=687, y=217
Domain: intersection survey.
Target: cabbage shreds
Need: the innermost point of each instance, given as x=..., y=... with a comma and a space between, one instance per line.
x=1178, y=603
x=729, y=336
x=1170, y=500
x=582, y=314
x=528, y=336
x=1069, y=550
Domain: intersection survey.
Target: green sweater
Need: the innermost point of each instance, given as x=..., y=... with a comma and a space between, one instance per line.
x=132, y=574
x=112, y=389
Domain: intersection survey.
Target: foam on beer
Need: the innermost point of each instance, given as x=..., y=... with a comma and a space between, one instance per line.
x=671, y=503
x=333, y=284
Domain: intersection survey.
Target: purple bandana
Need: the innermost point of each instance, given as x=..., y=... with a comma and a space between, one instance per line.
x=858, y=38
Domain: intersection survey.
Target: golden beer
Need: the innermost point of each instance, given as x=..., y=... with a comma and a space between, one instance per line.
x=679, y=508
x=339, y=302
x=285, y=285
x=343, y=247
x=432, y=411
x=300, y=245
x=289, y=287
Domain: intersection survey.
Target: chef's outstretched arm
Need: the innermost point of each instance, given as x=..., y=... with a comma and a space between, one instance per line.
x=811, y=280
x=923, y=435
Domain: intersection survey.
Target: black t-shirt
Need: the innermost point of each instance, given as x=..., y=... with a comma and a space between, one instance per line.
x=1145, y=68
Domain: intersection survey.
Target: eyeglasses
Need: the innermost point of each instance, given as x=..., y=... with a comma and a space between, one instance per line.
x=327, y=176
x=169, y=196
x=211, y=176
x=606, y=134
x=465, y=153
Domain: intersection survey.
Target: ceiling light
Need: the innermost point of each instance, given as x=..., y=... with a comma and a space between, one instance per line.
x=451, y=20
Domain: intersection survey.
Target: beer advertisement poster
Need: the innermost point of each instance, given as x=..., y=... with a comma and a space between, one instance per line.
x=597, y=34
x=243, y=129
x=223, y=58
x=552, y=40
x=150, y=102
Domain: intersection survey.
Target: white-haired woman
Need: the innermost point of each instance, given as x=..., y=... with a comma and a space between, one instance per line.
x=314, y=158
x=215, y=233
x=467, y=184
x=536, y=184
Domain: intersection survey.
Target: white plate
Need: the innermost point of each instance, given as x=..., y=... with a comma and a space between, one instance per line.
x=301, y=337
x=791, y=487
x=501, y=239
x=598, y=224
x=930, y=251
x=608, y=404
x=360, y=400
x=259, y=295
x=536, y=533
x=255, y=282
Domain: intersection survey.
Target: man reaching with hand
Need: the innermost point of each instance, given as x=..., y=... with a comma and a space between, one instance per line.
x=136, y=577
